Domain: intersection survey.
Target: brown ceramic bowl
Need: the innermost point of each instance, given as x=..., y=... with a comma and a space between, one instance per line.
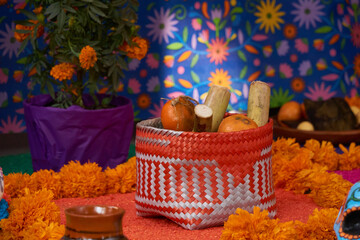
x=94, y=222
x=335, y=137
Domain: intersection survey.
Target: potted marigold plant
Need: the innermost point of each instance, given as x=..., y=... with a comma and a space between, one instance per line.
x=79, y=50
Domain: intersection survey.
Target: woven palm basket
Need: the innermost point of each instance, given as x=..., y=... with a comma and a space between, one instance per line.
x=198, y=179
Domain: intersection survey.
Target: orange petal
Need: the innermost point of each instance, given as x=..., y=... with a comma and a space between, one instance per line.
x=334, y=39
x=254, y=76
x=184, y=56
x=226, y=8
x=251, y=49
x=185, y=83
x=338, y=65
x=204, y=10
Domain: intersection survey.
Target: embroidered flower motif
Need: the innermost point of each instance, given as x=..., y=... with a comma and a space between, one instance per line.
x=355, y=35
x=62, y=71
x=308, y=12
x=269, y=15
x=217, y=51
x=221, y=78
x=87, y=57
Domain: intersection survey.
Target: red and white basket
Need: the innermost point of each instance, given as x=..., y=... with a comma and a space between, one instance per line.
x=198, y=179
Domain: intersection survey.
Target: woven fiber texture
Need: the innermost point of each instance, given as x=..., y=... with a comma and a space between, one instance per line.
x=198, y=179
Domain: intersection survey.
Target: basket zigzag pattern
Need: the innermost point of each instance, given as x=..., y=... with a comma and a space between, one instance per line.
x=198, y=179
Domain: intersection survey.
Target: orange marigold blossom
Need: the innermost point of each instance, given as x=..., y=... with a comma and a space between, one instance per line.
x=41, y=230
x=350, y=158
x=138, y=51
x=320, y=224
x=20, y=37
x=62, y=71
x=22, y=213
x=87, y=57
x=122, y=179
x=82, y=180
x=38, y=10
x=324, y=153
x=15, y=184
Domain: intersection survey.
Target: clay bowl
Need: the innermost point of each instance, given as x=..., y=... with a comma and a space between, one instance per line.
x=94, y=222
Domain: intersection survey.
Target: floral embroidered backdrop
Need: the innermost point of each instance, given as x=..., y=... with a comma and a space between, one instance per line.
x=302, y=48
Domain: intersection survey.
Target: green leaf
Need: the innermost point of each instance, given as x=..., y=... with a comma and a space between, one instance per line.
x=236, y=10
x=344, y=59
x=222, y=24
x=175, y=46
x=94, y=17
x=50, y=89
x=106, y=101
x=332, y=18
x=150, y=6
x=69, y=9
x=194, y=60
x=242, y=55
x=323, y=29
x=343, y=87
x=22, y=60
x=61, y=19
x=28, y=14
x=5, y=103
x=243, y=72
x=130, y=90
x=195, y=77
x=100, y=4
x=248, y=28
x=343, y=42
x=23, y=45
x=185, y=34
x=97, y=11
x=157, y=88
x=53, y=10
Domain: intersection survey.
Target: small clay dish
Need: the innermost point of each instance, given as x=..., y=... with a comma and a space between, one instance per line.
x=94, y=222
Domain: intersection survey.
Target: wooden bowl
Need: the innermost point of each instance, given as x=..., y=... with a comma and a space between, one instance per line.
x=94, y=222
x=336, y=137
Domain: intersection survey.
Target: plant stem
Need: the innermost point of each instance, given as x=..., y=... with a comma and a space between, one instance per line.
x=80, y=76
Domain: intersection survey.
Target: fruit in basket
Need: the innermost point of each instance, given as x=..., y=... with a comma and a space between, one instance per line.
x=236, y=122
x=290, y=111
x=178, y=114
x=305, y=126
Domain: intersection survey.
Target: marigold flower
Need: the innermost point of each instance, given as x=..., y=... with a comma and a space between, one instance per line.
x=20, y=37
x=45, y=179
x=138, y=51
x=62, y=71
x=82, y=180
x=3, y=2
x=320, y=224
x=38, y=10
x=15, y=183
x=323, y=154
x=121, y=179
x=87, y=57
x=26, y=211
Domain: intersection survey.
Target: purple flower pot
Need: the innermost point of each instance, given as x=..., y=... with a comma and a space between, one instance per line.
x=57, y=136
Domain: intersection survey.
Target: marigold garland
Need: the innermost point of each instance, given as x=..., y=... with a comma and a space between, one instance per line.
x=87, y=57
x=30, y=210
x=304, y=170
x=62, y=71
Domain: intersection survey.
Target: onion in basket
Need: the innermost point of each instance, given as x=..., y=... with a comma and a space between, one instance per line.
x=178, y=114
